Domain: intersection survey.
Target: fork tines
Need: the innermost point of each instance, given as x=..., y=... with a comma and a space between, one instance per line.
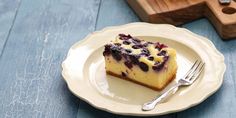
x=194, y=71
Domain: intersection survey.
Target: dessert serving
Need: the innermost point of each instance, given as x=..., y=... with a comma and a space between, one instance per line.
x=84, y=69
x=151, y=64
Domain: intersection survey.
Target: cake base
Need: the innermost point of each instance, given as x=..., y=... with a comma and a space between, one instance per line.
x=151, y=87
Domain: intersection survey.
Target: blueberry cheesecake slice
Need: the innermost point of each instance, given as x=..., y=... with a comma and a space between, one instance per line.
x=151, y=64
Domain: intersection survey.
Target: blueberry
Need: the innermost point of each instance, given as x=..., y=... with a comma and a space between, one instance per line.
x=115, y=52
x=136, y=40
x=134, y=59
x=124, y=37
x=107, y=49
x=147, y=43
x=137, y=46
x=126, y=42
x=128, y=64
x=117, y=44
x=116, y=56
x=143, y=66
x=162, y=53
x=123, y=74
x=144, y=54
x=166, y=58
x=151, y=58
x=128, y=50
x=158, y=66
x=159, y=46
x=156, y=63
x=125, y=55
x=163, y=46
x=145, y=50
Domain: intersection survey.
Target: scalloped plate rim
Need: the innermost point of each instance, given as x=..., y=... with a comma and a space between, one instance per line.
x=94, y=104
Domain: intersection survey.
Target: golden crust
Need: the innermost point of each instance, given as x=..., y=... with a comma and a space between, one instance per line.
x=143, y=84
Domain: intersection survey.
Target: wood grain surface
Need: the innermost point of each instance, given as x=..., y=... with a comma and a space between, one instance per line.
x=177, y=12
x=35, y=36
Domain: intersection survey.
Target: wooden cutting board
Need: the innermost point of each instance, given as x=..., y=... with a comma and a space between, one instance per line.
x=177, y=12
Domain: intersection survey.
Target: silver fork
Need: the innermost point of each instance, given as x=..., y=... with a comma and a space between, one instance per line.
x=186, y=80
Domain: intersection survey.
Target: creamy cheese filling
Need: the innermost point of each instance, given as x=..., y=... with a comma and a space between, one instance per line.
x=153, y=51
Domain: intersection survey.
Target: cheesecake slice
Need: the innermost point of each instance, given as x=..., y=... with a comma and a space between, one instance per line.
x=151, y=64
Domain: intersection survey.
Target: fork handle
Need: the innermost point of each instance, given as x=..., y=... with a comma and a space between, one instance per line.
x=151, y=105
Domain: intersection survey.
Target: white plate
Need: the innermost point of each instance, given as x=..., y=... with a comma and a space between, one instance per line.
x=83, y=70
